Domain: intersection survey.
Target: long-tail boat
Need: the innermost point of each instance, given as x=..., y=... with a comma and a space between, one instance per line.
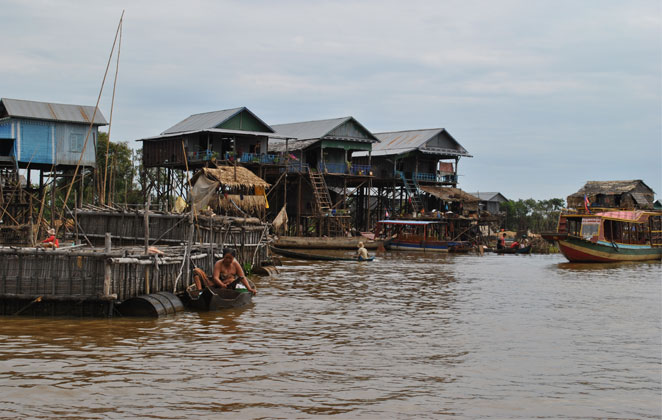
x=609, y=236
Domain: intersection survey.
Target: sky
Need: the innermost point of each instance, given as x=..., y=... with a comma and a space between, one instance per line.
x=545, y=95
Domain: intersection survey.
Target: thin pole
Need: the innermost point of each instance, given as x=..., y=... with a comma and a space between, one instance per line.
x=112, y=106
x=96, y=108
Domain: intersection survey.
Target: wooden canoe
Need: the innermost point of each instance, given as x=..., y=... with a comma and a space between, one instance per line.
x=316, y=257
x=305, y=242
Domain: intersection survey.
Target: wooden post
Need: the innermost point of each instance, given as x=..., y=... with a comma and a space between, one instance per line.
x=76, y=218
x=146, y=221
x=108, y=272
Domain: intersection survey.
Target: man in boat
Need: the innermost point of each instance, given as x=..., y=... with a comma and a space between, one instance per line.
x=362, y=253
x=227, y=274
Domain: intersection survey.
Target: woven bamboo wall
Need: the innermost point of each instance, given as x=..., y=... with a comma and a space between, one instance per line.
x=29, y=272
x=51, y=273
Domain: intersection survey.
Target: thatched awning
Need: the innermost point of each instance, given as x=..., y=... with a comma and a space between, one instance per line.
x=231, y=176
x=207, y=181
x=449, y=194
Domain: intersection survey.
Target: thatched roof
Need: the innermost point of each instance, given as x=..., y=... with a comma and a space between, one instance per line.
x=450, y=194
x=609, y=187
x=226, y=176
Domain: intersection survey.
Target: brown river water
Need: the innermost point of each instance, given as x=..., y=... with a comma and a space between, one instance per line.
x=409, y=335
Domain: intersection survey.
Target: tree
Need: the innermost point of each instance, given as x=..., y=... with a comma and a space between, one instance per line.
x=115, y=182
x=536, y=216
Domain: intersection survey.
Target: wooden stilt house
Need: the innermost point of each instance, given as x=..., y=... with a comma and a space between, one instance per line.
x=322, y=169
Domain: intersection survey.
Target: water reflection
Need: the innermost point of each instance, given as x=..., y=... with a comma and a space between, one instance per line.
x=408, y=335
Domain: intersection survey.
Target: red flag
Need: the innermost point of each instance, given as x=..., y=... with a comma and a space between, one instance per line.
x=586, y=204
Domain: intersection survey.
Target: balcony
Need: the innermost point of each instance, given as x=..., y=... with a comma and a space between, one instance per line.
x=343, y=168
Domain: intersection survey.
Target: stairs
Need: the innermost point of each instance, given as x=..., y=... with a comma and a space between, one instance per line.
x=412, y=191
x=335, y=225
x=321, y=192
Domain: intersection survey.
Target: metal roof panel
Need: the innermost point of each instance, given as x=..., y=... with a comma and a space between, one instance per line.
x=52, y=111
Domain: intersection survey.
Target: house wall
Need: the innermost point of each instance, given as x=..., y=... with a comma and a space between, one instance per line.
x=49, y=142
x=69, y=141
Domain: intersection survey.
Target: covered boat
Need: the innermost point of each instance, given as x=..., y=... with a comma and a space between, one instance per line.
x=609, y=236
x=419, y=235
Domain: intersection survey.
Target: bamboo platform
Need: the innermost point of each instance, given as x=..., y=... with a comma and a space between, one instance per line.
x=89, y=281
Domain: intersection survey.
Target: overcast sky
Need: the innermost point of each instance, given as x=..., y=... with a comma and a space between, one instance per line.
x=545, y=94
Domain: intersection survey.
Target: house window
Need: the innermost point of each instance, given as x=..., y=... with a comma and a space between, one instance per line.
x=76, y=142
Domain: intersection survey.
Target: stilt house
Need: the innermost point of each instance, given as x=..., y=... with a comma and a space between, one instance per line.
x=634, y=194
x=322, y=167
x=403, y=161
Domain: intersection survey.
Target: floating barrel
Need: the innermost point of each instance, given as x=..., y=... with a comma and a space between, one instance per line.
x=266, y=270
x=152, y=305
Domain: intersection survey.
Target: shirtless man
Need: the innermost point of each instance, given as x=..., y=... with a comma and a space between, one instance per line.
x=228, y=272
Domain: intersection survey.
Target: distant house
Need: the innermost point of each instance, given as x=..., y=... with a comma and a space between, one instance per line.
x=326, y=145
x=657, y=205
x=634, y=194
x=218, y=135
x=43, y=135
x=490, y=201
x=429, y=155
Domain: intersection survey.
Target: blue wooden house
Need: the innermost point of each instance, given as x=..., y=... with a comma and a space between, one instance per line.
x=41, y=135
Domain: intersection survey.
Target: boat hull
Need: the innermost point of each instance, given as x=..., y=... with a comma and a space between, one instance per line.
x=395, y=245
x=577, y=250
x=315, y=257
x=214, y=298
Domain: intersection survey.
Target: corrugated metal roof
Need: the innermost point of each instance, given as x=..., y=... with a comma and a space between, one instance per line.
x=212, y=130
x=207, y=120
x=487, y=196
x=292, y=145
x=52, y=112
x=308, y=130
x=395, y=140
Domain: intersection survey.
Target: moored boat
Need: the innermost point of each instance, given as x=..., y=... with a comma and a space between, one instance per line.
x=213, y=298
x=609, y=236
x=315, y=257
x=419, y=235
x=523, y=250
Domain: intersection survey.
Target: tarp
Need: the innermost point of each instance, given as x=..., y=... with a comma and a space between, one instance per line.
x=202, y=192
x=281, y=219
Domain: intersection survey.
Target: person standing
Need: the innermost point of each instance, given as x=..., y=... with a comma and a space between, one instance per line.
x=501, y=243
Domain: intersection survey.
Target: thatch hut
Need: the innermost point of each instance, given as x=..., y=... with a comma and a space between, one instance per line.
x=230, y=190
x=632, y=194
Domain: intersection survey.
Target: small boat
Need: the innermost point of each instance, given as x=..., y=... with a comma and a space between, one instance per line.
x=213, y=298
x=524, y=250
x=609, y=236
x=317, y=257
x=419, y=235
x=341, y=242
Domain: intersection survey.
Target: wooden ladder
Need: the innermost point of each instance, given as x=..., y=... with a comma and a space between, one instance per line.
x=412, y=192
x=321, y=192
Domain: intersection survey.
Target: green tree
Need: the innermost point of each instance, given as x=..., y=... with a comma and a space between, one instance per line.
x=116, y=180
